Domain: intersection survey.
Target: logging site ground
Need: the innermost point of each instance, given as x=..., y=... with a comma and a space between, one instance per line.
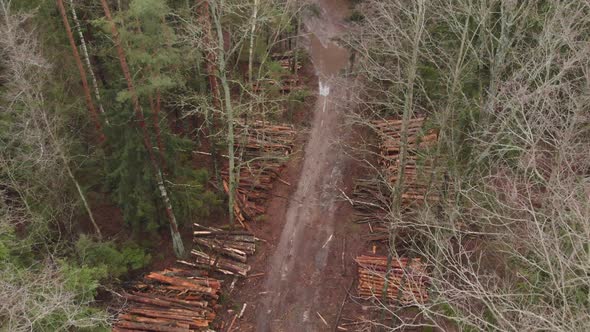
x=294, y=165
x=305, y=265
x=303, y=272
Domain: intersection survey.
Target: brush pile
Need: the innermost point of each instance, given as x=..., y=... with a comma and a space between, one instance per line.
x=407, y=279
x=173, y=300
x=223, y=251
x=263, y=149
x=390, y=137
x=371, y=199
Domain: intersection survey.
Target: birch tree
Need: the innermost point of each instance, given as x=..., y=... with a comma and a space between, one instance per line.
x=228, y=108
x=27, y=71
x=36, y=174
x=86, y=88
x=84, y=48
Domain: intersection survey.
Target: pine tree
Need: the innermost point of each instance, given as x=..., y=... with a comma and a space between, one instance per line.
x=176, y=239
x=86, y=88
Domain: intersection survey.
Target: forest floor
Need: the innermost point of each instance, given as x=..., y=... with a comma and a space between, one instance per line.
x=304, y=267
x=302, y=273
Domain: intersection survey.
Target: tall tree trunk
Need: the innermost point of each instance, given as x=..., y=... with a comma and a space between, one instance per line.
x=176, y=239
x=407, y=115
x=252, y=39
x=215, y=12
x=211, y=69
x=86, y=88
x=87, y=60
x=295, y=68
x=156, y=107
x=251, y=55
x=211, y=58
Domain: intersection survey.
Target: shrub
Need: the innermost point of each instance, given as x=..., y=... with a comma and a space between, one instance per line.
x=105, y=255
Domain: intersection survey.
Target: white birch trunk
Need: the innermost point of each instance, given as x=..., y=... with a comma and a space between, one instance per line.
x=87, y=60
x=215, y=11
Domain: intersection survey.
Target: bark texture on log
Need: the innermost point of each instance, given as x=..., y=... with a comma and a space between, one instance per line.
x=407, y=279
x=170, y=300
x=264, y=148
x=422, y=183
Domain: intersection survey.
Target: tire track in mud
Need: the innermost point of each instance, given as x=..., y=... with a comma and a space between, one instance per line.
x=298, y=268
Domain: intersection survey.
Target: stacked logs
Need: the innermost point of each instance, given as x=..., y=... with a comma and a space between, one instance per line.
x=372, y=197
x=223, y=251
x=260, y=138
x=390, y=134
x=263, y=148
x=417, y=178
x=173, y=300
x=285, y=84
x=286, y=60
x=407, y=279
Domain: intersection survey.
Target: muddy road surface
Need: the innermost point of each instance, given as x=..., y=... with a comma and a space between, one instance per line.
x=303, y=263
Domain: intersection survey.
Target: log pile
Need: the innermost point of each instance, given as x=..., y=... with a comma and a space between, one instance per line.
x=417, y=178
x=289, y=65
x=286, y=60
x=260, y=138
x=373, y=197
x=285, y=84
x=263, y=148
x=390, y=134
x=407, y=279
x=223, y=251
x=173, y=300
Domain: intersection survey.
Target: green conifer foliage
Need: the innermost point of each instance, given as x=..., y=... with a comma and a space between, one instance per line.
x=160, y=77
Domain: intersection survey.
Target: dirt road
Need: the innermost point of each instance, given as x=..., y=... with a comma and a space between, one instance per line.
x=299, y=270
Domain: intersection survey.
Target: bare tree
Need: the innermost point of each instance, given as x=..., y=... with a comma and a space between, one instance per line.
x=222, y=51
x=221, y=58
x=27, y=72
x=31, y=300
x=506, y=246
x=33, y=194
